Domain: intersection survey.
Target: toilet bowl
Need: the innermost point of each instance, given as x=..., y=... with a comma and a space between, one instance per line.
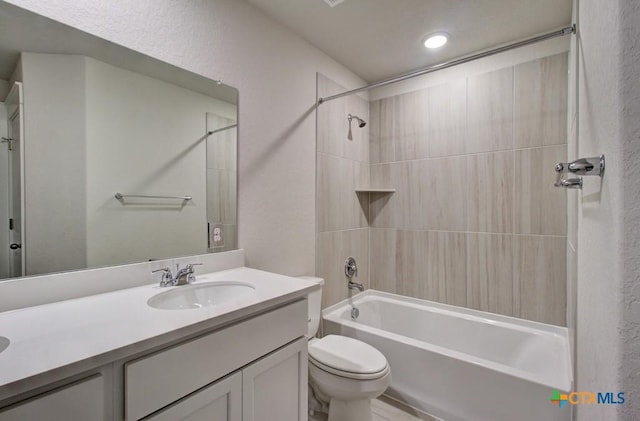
x=345, y=374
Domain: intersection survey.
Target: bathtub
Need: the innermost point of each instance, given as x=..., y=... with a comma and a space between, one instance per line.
x=459, y=364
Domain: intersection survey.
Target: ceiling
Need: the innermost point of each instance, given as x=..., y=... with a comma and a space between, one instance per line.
x=378, y=39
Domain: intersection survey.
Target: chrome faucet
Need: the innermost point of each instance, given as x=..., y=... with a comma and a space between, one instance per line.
x=356, y=285
x=183, y=276
x=351, y=269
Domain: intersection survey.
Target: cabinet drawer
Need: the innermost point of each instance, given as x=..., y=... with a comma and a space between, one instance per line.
x=81, y=401
x=156, y=381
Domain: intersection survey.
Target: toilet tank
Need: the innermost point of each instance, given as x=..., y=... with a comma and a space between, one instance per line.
x=315, y=304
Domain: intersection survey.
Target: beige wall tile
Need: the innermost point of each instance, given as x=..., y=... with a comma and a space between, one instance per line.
x=411, y=125
x=414, y=199
x=332, y=249
x=381, y=144
x=541, y=272
x=338, y=206
x=490, y=192
x=222, y=147
x=447, y=266
x=431, y=265
x=384, y=209
x=490, y=111
x=540, y=208
x=447, y=115
x=443, y=192
x=332, y=126
x=412, y=254
x=382, y=253
x=490, y=273
x=221, y=196
x=408, y=206
x=541, y=102
x=357, y=147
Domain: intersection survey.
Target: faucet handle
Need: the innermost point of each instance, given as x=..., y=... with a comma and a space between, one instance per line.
x=167, y=277
x=350, y=267
x=191, y=265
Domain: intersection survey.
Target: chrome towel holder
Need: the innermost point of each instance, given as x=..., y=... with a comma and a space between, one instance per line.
x=582, y=166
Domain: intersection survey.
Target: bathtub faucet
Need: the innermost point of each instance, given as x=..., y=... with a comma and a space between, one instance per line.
x=356, y=285
x=351, y=269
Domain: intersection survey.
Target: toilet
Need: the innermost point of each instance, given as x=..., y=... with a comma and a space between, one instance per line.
x=345, y=374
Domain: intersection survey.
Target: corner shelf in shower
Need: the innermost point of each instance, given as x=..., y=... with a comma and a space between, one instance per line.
x=372, y=190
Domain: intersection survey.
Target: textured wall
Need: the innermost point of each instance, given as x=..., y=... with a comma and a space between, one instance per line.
x=630, y=326
x=475, y=220
x=342, y=167
x=608, y=296
x=275, y=72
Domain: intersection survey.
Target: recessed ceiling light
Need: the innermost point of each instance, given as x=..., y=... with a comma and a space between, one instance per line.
x=436, y=40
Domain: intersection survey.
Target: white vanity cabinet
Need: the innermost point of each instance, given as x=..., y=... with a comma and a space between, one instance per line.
x=272, y=388
x=154, y=381
x=275, y=387
x=254, y=369
x=86, y=399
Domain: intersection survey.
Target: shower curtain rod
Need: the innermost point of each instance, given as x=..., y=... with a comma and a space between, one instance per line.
x=222, y=129
x=559, y=33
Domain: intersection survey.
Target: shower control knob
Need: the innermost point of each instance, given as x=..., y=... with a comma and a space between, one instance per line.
x=350, y=267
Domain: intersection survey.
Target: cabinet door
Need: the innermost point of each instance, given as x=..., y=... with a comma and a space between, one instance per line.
x=220, y=401
x=81, y=401
x=275, y=387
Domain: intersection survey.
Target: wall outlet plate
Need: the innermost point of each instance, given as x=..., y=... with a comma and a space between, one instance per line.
x=216, y=234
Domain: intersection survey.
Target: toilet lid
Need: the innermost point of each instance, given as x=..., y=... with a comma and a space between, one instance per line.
x=347, y=355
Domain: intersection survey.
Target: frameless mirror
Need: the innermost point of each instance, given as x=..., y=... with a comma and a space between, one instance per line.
x=107, y=156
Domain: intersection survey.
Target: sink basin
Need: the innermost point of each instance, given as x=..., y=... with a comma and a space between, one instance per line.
x=198, y=296
x=4, y=343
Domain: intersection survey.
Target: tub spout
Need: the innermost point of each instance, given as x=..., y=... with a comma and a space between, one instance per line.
x=356, y=285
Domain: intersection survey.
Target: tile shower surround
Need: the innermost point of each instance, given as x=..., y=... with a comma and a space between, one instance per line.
x=475, y=220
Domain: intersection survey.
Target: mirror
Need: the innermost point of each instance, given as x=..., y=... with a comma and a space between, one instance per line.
x=107, y=156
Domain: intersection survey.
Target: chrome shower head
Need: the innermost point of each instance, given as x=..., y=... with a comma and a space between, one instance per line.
x=361, y=122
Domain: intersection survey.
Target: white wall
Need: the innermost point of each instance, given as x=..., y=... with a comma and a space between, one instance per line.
x=608, y=296
x=144, y=136
x=55, y=198
x=275, y=73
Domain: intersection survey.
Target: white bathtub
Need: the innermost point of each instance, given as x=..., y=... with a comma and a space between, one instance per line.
x=460, y=364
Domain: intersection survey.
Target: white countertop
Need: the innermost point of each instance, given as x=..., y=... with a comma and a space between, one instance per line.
x=64, y=338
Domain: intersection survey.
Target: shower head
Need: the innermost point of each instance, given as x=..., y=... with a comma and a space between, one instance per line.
x=361, y=122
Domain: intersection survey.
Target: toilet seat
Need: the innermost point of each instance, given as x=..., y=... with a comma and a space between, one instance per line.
x=347, y=357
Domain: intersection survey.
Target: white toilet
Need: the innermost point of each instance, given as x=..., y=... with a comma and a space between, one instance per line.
x=344, y=373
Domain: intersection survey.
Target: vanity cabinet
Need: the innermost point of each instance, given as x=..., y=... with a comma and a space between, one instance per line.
x=154, y=381
x=275, y=387
x=272, y=388
x=254, y=370
x=83, y=400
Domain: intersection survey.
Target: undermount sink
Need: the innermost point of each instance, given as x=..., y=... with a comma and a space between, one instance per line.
x=198, y=296
x=4, y=343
